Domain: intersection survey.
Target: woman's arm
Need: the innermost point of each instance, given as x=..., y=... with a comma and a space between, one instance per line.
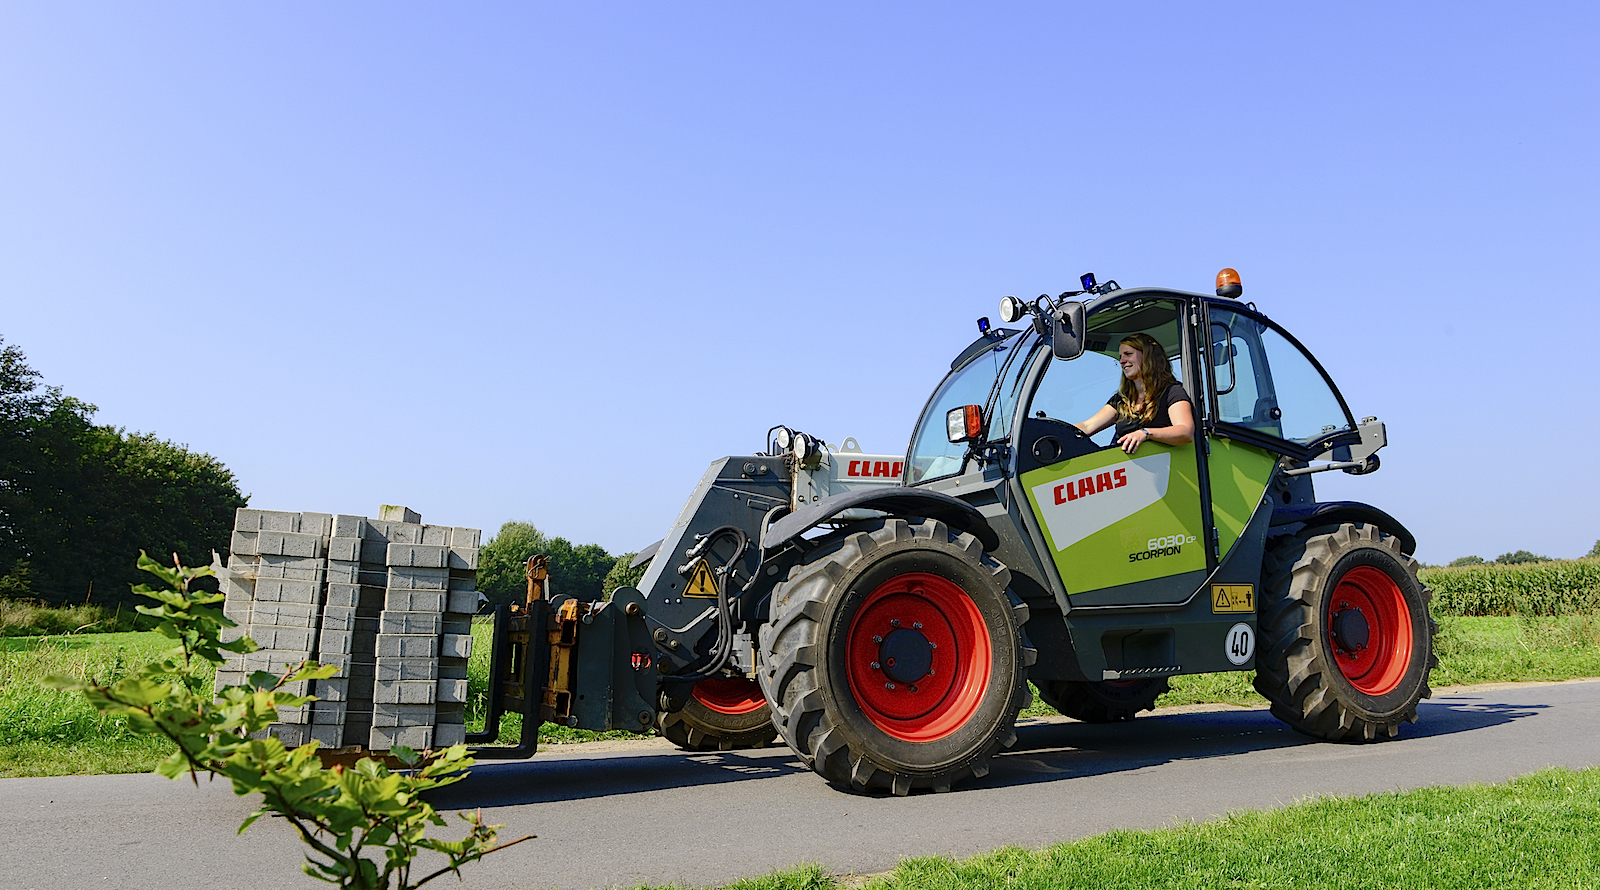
x=1181, y=432
x=1103, y=418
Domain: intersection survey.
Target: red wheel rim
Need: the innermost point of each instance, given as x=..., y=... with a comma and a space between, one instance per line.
x=908, y=620
x=727, y=696
x=1371, y=600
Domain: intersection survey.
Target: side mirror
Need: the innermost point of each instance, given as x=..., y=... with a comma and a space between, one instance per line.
x=1067, y=344
x=964, y=424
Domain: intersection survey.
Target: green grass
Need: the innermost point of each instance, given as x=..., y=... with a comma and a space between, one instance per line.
x=1535, y=831
x=47, y=732
x=29, y=618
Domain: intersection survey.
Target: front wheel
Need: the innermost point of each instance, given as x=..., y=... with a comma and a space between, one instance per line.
x=721, y=714
x=895, y=658
x=1347, y=641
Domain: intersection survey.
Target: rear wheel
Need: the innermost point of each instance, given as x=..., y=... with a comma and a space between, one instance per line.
x=894, y=658
x=720, y=715
x=1109, y=701
x=1347, y=641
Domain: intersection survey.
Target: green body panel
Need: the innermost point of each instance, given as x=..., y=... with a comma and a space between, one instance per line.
x=1239, y=476
x=1112, y=519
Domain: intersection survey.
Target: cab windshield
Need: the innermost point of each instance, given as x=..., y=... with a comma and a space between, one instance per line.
x=933, y=455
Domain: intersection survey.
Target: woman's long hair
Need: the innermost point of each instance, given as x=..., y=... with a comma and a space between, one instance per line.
x=1154, y=372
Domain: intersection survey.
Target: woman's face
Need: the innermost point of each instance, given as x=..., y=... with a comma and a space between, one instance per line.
x=1132, y=361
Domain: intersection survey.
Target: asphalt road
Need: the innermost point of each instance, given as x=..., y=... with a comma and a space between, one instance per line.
x=656, y=815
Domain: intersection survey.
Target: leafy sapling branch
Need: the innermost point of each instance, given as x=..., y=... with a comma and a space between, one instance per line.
x=341, y=814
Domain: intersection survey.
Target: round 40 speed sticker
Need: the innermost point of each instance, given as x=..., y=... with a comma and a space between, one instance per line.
x=1240, y=644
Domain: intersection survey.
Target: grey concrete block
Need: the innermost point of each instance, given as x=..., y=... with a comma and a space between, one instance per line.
x=279, y=543
x=232, y=661
x=436, y=535
x=274, y=661
x=451, y=690
x=384, y=738
x=320, y=524
x=426, y=556
x=445, y=735
x=463, y=581
x=243, y=543
x=335, y=642
x=390, y=670
x=347, y=526
x=463, y=558
x=342, y=572
x=286, y=590
x=396, y=622
x=419, y=578
x=457, y=624
x=297, y=639
x=229, y=678
x=452, y=668
x=279, y=614
x=407, y=646
x=405, y=692
x=328, y=735
x=297, y=716
x=279, y=521
x=345, y=548
x=247, y=520
x=229, y=634
x=402, y=599
x=299, y=568
x=466, y=538
x=396, y=513
x=291, y=735
x=462, y=602
x=373, y=553
x=342, y=662
x=332, y=690
x=455, y=645
x=338, y=618
x=236, y=606
x=453, y=712
x=401, y=715
x=243, y=565
x=342, y=595
x=327, y=712
x=394, y=532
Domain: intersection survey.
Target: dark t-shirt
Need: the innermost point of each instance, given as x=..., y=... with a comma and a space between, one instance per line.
x=1174, y=394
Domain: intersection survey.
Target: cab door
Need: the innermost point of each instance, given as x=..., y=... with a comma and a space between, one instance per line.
x=1120, y=529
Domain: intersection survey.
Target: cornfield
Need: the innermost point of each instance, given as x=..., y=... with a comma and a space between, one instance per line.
x=1560, y=587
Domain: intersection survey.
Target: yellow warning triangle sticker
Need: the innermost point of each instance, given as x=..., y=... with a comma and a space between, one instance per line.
x=1233, y=598
x=701, y=581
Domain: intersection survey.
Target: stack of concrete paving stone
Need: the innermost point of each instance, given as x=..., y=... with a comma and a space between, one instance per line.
x=388, y=601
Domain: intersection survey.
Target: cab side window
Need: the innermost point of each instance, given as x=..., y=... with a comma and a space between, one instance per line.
x=1267, y=383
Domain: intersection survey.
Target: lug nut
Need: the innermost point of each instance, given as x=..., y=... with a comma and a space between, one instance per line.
x=888, y=686
x=916, y=625
x=876, y=667
x=894, y=622
x=930, y=672
x=913, y=687
x=877, y=639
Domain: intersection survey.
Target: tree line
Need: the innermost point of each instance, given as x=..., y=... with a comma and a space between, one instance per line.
x=79, y=500
x=586, y=571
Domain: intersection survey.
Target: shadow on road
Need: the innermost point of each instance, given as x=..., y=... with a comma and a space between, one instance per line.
x=1045, y=752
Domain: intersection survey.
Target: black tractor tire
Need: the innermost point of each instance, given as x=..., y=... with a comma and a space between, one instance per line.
x=1109, y=701
x=852, y=630
x=1346, y=638
x=716, y=719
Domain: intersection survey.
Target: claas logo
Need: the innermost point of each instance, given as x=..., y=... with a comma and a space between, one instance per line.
x=1085, y=486
x=887, y=468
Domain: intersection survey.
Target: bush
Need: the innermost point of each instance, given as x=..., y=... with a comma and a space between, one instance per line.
x=1556, y=587
x=1466, y=561
x=621, y=575
x=1520, y=557
x=32, y=618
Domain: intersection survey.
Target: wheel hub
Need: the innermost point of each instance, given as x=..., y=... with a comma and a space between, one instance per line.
x=1350, y=629
x=905, y=655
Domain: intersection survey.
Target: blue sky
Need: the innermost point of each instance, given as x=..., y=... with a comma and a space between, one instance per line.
x=536, y=262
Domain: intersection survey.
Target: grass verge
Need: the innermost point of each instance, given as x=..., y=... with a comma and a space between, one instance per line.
x=1535, y=831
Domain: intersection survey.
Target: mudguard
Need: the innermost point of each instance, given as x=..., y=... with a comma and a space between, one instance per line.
x=1335, y=512
x=956, y=513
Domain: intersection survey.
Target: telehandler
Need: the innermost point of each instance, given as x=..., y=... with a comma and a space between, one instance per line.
x=884, y=614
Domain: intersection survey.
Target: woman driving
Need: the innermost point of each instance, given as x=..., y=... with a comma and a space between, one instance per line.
x=1150, y=404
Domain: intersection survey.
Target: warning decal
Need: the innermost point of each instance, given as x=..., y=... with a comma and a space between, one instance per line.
x=701, y=581
x=1233, y=598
